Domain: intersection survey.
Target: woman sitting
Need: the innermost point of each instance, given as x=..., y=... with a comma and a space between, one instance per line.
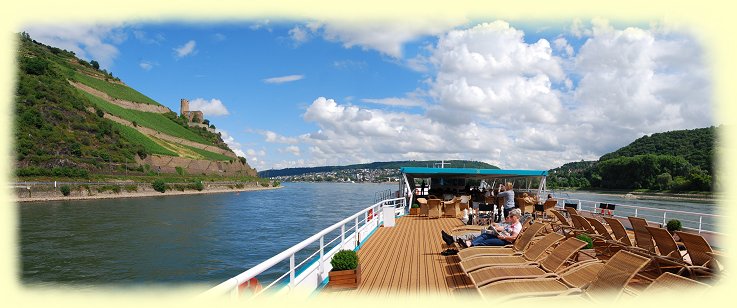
x=505, y=233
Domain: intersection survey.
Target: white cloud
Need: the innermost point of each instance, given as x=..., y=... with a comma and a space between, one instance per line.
x=384, y=36
x=145, y=38
x=283, y=79
x=185, y=50
x=293, y=149
x=219, y=37
x=395, y=101
x=299, y=34
x=264, y=24
x=231, y=142
x=273, y=137
x=147, y=65
x=213, y=107
x=89, y=42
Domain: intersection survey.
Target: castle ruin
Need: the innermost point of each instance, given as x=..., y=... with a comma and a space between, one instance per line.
x=193, y=116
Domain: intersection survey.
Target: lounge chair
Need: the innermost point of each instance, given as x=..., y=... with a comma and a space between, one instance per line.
x=563, y=225
x=669, y=256
x=600, y=228
x=553, y=263
x=669, y=282
x=699, y=250
x=533, y=253
x=620, y=233
x=571, y=210
x=433, y=208
x=607, y=283
x=520, y=245
x=643, y=239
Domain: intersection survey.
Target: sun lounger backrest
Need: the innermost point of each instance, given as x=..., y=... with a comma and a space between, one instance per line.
x=600, y=228
x=525, y=238
x=698, y=249
x=537, y=250
x=664, y=241
x=562, y=219
x=555, y=260
x=615, y=275
x=669, y=282
x=620, y=233
x=582, y=224
x=643, y=239
x=571, y=210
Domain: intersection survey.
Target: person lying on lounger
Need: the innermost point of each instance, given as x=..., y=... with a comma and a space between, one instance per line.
x=496, y=235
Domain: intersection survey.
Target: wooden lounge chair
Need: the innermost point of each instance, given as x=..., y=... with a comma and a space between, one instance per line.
x=433, y=208
x=571, y=210
x=620, y=233
x=533, y=253
x=523, y=241
x=423, y=206
x=604, y=244
x=608, y=283
x=600, y=228
x=643, y=239
x=699, y=250
x=545, y=209
x=669, y=282
x=670, y=257
x=563, y=225
x=553, y=263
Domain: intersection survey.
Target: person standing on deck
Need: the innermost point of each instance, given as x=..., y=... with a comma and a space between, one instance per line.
x=508, y=195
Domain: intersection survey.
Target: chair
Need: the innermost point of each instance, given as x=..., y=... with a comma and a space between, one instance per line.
x=534, y=252
x=620, y=233
x=563, y=225
x=669, y=256
x=669, y=282
x=571, y=209
x=546, y=207
x=600, y=228
x=553, y=263
x=451, y=208
x=643, y=239
x=433, y=208
x=698, y=250
x=523, y=241
x=423, y=206
x=609, y=280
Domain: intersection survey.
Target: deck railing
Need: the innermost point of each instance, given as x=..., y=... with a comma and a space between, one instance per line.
x=311, y=275
x=690, y=220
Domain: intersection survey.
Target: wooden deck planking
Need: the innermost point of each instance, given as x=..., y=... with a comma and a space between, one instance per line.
x=405, y=260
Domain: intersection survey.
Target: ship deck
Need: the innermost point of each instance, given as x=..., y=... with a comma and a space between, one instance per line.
x=405, y=259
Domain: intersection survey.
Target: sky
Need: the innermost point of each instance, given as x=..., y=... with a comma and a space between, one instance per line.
x=311, y=93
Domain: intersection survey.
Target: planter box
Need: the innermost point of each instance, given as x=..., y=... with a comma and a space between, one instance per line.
x=414, y=211
x=348, y=279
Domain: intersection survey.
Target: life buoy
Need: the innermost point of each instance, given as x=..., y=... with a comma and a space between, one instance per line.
x=251, y=284
x=370, y=214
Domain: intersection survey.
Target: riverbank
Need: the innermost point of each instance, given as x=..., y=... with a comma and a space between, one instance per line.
x=626, y=194
x=144, y=193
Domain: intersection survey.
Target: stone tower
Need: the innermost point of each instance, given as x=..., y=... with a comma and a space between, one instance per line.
x=184, y=109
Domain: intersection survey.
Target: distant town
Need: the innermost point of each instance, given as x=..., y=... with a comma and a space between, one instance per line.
x=345, y=176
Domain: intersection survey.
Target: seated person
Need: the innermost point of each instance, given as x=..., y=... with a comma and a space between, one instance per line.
x=506, y=233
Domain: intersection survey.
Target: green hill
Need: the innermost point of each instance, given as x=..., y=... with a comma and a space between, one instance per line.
x=679, y=160
x=62, y=131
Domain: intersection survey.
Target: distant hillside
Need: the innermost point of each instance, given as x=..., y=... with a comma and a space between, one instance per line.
x=75, y=119
x=679, y=160
x=376, y=165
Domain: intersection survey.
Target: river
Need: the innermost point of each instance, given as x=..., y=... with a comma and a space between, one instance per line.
x=187, y=239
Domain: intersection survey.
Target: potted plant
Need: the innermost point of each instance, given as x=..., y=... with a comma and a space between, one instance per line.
x=415, y=209
x=588, y=251
x=346, y=272
x=673, y=226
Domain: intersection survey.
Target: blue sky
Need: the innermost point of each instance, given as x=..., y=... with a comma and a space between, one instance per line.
x=308, y=93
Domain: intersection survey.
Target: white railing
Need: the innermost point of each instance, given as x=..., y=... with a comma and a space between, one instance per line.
x=690, y=220
x=314, y=274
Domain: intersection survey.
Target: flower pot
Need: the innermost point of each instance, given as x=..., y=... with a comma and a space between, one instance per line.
x=347, y=279
x=414, y=211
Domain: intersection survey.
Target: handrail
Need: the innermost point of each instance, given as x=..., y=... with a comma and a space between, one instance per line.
x=233, y=283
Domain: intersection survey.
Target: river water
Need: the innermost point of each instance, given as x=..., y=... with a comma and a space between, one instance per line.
x=185, y=239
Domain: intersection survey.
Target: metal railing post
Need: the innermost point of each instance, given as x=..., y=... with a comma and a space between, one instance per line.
x=321, y=262
x=342, y=235
x=664, y=213
x=635, y=212
x=356, y=231
x=291, y=272
x=700, y=218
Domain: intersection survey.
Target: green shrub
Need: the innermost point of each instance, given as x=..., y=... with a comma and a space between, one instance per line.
x=673, y=225
x=180, y=170
x=265, y=184
x=586, y=238
x=277, y=183
x=344, y=260
x=415, y=205
x=65, y=190
x=116, y=189
x=159, y=185
x=199, y=186
x=130, y=188
x=239, y=185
